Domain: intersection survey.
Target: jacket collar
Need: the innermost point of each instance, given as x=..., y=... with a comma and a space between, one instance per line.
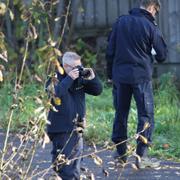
x=142, y=12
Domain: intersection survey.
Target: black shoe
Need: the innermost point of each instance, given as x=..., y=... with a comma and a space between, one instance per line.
x=122, y=159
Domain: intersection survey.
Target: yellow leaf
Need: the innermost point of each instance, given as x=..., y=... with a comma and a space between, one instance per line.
x=43, y=48
x=2, y=36
x=97, y=160
x=2, y=8
x=2, y=68
x=3, y=56
x=26, y=14
x=60, y=70
x=57, y=52
x=57, y=101
x=146, y=125
x=51, y=42
x=32, y=32
x=1, y=76
x=11, y=15
x=143, y=139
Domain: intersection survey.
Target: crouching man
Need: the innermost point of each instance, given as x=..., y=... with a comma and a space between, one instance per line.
x=67, y=120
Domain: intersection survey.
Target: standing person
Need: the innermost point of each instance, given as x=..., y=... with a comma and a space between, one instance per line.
x=68, y=98
x=130, y=65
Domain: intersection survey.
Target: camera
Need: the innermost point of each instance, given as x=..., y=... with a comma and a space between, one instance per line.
x=85, y=73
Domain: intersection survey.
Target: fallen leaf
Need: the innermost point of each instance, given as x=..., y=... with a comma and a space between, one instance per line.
x=134, y=166
x=105, y=172
x=166, y=146
x=97, y=160
x=92, y=176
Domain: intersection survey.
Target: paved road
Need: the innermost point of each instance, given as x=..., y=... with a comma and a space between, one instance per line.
x=168, y=170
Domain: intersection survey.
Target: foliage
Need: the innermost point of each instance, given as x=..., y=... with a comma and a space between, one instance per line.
x=88, y=57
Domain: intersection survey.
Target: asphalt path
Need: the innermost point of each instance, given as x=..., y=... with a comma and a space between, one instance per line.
x=108, y=170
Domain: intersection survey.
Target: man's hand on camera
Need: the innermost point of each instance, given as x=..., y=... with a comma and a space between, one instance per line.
x=74, y=74
x=92, y=74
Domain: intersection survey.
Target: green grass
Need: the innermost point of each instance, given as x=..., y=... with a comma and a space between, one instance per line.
x=25, y=105
x=100, y=115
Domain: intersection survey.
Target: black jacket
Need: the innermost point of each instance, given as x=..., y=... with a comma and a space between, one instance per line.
x=129, y=50
x=72, y=96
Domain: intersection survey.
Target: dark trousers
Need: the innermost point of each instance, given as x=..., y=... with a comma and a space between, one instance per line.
x=143, y=95
x=71, y=145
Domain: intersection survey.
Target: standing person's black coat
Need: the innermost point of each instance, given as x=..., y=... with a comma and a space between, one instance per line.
x=130, y=44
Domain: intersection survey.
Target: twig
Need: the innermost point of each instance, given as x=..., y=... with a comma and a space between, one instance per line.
x=65, y=23
x=24, y=60
x=5, y=142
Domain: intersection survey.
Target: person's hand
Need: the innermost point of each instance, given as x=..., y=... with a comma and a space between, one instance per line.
x=74, y=74
x=92, y=74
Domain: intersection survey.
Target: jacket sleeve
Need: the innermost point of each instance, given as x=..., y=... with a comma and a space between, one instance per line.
x=93, y=87
x=160, y=46
x=110, y=52
x=61, y=87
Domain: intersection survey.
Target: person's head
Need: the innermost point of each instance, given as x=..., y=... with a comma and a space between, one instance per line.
x=70, y=60
x=153, y=6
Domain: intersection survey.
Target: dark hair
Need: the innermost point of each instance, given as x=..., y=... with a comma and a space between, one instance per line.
x=146, y=3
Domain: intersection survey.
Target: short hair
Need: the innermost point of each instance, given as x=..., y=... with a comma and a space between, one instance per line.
x=147, y=3
x=69, y=57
